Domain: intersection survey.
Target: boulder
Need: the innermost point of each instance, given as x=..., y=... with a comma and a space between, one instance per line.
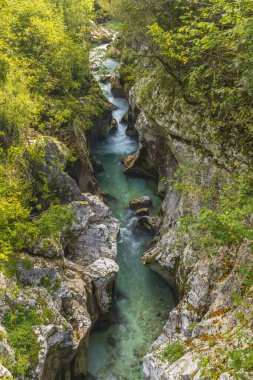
x=118, y=90
x=142, y=202
x=103, y=272
x=150, y=224
x=140, y=163
x=95, y=232
x=114, y=125
x=141, y=211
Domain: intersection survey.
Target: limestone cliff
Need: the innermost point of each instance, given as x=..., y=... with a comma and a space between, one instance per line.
x=209, y=324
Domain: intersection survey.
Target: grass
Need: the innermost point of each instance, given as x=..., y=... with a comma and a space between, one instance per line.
x=173, y=351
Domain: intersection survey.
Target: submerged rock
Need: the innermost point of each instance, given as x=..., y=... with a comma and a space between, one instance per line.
x=112, y=341
x=97, y=166
x=89, y=377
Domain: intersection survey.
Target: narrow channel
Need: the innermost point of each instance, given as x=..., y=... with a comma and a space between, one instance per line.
x=142, y=299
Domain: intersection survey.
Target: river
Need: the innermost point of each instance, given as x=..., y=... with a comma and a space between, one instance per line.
x=142, y=300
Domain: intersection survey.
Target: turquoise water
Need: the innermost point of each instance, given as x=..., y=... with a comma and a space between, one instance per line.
x=142, y=299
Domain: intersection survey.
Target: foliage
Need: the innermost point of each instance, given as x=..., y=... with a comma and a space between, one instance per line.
x=16, y=225
x=239, y=363
x=46, y=88
x=241, y=359
x=45, y=85
x=14, y=210
x=173, y=351
x=45, y=81
x=205, y=48
x=20, y=323
x=223, y=215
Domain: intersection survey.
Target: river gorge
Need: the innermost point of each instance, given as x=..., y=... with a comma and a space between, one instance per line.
x=142, y=299
x=126, y=196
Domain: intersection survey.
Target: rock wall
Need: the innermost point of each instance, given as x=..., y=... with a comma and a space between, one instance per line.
x=64, y=283
x=81, y=170
x=208, y=324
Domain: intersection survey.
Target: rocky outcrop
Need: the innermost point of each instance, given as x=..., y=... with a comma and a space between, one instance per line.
x=61, y=285
x=95, y=232
x=103, y=124
x=118, y=90
x=208, y=324
x=141, y=164
x=82, y=168
x=48, y=160
x=100, y=34
x=131, y=117
x=151, y=224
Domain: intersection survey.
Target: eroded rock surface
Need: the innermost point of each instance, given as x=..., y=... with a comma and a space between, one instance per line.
x=118, y=90
x=208, y=324
x=64, y=284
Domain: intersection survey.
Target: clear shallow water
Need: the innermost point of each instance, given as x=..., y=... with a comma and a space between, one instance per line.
x=142, y=299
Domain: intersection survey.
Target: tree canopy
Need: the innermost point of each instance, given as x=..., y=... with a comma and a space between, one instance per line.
x=206, y=49
x=45, y=88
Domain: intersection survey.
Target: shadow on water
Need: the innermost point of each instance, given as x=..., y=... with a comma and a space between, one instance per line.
x=142, y=299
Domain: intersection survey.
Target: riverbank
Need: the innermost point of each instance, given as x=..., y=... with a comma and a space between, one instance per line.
x=213, y=317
